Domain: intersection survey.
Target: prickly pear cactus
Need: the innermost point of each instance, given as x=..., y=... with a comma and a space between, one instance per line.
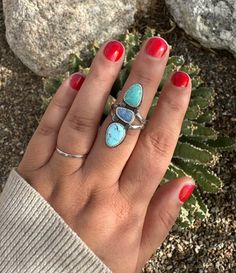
x=199, y=145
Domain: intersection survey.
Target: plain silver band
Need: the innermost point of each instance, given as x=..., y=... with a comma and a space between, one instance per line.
x=136, y=126
x=70, y=155
x=141, y=118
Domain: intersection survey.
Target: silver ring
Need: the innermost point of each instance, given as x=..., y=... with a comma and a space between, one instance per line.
x=70, y=155
x=124, y=114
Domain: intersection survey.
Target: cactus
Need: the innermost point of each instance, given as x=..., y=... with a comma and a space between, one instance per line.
x=199, y=146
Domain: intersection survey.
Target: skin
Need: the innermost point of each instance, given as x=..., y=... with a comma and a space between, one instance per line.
x=110, y=199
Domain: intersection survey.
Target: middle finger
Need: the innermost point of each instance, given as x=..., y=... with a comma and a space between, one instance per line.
x=147, y=70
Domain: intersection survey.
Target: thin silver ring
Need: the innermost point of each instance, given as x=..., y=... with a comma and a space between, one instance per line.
x=70, y=155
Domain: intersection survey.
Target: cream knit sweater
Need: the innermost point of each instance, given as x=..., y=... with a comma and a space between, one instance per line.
x=35, y=239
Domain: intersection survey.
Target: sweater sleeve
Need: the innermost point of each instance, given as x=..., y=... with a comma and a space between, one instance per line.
x=35, y=239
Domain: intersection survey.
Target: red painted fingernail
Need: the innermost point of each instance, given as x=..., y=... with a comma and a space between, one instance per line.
x=185, y=192
x=76, y=81
x=156, y=47
x=180, y=79
x=113, y=51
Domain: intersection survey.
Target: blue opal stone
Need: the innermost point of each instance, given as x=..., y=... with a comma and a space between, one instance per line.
x=133, y=96
x=115, y=134
x=125, y=114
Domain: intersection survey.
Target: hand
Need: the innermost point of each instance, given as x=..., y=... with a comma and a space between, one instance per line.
x=109, y=198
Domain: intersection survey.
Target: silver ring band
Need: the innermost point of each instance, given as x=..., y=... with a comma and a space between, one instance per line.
x=141, y=118
x=136, y=126
x=70, y=155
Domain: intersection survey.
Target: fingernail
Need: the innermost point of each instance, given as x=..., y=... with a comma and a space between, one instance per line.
x=114, y=51
x=185, y=192
x=76, y=81
x=180, y=79
x=156, y=47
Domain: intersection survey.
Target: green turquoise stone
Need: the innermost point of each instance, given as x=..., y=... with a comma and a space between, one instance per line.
x=115, y=134
x=133, y=96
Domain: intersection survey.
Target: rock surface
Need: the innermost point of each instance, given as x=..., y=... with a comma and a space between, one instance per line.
x=211, y=22
x=42, y=33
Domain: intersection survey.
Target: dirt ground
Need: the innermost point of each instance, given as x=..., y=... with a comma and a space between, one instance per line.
x=211, y=245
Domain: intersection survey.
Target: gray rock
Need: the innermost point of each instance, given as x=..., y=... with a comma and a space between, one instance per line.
x=211, y=22
x=42, y=33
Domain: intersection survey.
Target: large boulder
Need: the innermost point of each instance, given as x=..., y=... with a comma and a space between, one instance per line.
x=211, y=22
x=43, y=33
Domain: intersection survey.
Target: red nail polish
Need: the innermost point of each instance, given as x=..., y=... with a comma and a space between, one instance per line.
x=180, y=79
x=76, y=81
x=185, y=192
x=113, y=51
x=156, y=47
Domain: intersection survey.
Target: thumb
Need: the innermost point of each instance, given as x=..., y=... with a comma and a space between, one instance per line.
x=162, y=213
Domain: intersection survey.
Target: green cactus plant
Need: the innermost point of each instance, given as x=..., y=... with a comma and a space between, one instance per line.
x=199, y=145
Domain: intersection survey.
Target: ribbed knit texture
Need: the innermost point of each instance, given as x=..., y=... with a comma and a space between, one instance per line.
x=35, y=239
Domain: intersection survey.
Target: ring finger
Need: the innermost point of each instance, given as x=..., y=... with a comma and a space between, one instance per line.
x=158, y=140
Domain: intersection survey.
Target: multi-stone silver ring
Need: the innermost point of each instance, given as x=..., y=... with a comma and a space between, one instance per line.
x=124, y=114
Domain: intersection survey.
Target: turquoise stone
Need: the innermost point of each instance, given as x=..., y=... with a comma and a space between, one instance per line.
x=125, y=114
x=115, y=134
x=133, y=96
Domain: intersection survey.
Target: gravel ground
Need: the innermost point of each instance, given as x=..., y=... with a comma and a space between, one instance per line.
x=208, y=247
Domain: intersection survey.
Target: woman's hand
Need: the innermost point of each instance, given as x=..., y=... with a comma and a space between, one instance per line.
x=109, y=198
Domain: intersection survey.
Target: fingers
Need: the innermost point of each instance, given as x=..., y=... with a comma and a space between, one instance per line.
x=43, y=142
x=147, y=71
x=162, y=213
x=154, y=150
x=80, y=126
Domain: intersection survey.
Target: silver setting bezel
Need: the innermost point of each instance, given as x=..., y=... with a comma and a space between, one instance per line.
x=119, y=117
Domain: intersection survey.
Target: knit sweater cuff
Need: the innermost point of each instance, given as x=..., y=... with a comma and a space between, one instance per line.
x=34, y=238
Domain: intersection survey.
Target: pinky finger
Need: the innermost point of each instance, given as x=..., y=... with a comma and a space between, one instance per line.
x=43, y=142
x=162, y=213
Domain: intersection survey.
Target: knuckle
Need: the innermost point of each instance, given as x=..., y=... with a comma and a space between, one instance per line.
x=159, y=143
x=166, y=218
x=143, y=77
x=80, y=123
x=101, y=76
x=112, y=74
x=98, y=76
x=59, y=104
x=45, y=129
x=174, y=105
